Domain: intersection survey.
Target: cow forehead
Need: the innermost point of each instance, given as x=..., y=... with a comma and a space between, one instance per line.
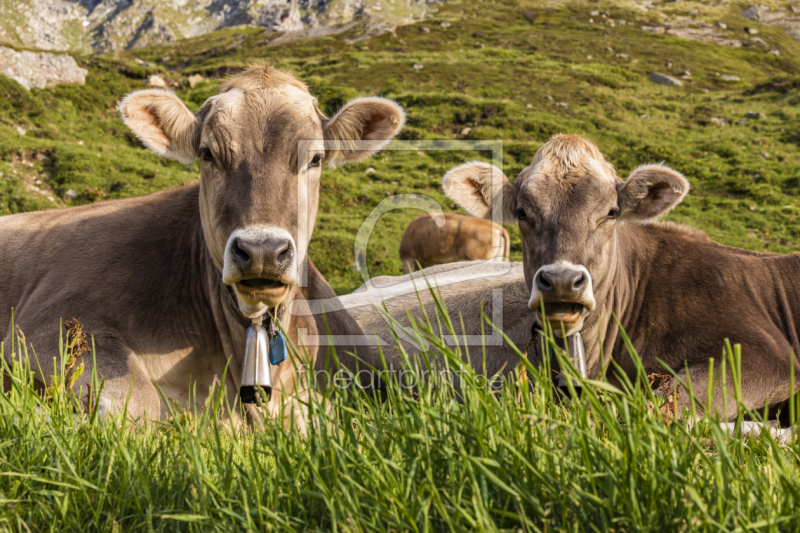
x=555, y=188
x=246, y=110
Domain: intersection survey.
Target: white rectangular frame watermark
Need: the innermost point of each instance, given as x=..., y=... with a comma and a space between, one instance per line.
x=416, y=201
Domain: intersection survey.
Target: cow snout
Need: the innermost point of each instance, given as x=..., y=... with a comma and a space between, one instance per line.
x=257, y=257
x=561, y=285
x=564, y=290
x=260, y=264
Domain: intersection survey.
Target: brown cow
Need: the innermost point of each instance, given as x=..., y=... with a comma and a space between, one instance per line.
x=437, y=239
x=593, y=250
x=167, y=283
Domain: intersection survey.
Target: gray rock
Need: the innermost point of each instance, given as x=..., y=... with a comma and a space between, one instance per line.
x=424, y=29
x=548, y=97
x=755, y=115
x=445, y=25
x=194, y=79
x=88, y=26
x=755, y=12
x=751, y=31
x=21, y=130
x=70, y=194
x=729, y=77
x=417, y=66
x=156, y=80
x=663, y=79
x=40, y=69
x=742, y=122
x=719, y=121
x=466, y=131
x=722, y=26
x=654, y=29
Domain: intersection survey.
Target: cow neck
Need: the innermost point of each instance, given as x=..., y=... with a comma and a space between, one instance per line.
x=619, y=301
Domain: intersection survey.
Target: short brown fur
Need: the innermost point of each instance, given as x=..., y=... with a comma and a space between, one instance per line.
x=676, y=294
x=437, y=239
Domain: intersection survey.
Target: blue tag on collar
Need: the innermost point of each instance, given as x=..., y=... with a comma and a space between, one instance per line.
x=277, y=348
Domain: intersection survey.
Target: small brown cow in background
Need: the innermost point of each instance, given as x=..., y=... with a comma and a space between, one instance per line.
x=437, y=239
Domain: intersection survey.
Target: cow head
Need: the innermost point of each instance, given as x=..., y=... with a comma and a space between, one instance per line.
x=261, y=143
x=569, y=204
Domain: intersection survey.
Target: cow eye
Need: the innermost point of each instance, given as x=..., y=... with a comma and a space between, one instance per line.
x=612, y=215
x=206, y=155
x=315, y=161
x=521, y=215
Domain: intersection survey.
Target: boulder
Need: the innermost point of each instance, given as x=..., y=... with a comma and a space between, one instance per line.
x=755, y=12
x=194, y=79
x=40, y=69
x=156, y=80
x=663, y=79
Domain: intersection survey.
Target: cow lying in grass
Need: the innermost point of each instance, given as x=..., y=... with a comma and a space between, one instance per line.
x=468, y=289
x=593, y=250
x=437, y=239
x=167, y=283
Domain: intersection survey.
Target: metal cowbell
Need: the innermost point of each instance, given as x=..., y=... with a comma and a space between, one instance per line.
x=255, y=369
x=577, y=356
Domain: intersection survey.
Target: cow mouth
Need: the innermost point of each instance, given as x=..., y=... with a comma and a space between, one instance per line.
x=260, y=290
x=260, y=284
x=567, y=314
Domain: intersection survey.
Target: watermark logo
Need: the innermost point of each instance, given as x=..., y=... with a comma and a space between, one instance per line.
x=374, y=296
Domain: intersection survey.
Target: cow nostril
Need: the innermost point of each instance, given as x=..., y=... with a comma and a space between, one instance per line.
x=543, y=282
x=240, y=255
x=580, y=282
x=286, y=255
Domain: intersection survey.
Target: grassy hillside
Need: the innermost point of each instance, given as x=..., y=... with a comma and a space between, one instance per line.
x=513, y=71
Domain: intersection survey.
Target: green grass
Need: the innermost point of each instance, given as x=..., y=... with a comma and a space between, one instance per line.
x=423, y=460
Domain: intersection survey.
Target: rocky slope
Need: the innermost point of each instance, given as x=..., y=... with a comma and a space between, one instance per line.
x=110, y=25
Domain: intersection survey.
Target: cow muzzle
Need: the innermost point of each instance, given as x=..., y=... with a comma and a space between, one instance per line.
x=261, y=264
x=566, y=291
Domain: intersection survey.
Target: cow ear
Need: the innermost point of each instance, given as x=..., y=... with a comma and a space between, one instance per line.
x=361, y=128
x=481, y=189
x=650, y=192
x=162, y=122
